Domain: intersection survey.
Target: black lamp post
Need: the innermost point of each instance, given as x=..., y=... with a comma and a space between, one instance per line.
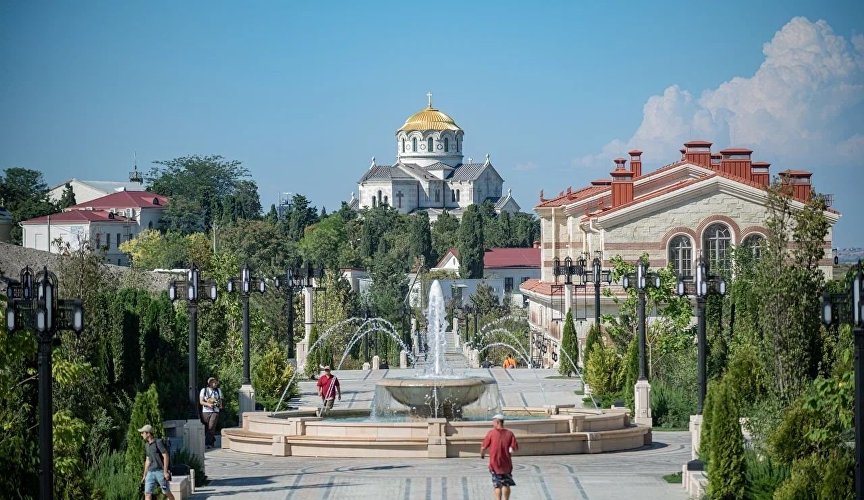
x=598, y=276
x=641, y=280
x=245, y=284
x=33, y=303
x=703, y=285
x=856, y=297
x=295, y=279
x=194, y=289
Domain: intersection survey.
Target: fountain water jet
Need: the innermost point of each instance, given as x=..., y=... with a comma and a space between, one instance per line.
x=438, y=392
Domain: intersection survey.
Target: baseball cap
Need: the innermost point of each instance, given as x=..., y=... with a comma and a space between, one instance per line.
x=146, y=428
x=498, y=416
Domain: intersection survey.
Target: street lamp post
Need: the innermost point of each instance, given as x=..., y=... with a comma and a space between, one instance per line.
x=641, y=280
x=856, y=297
x=41, y=310
x=703, y=286
x=598, y=276
x=299, y=278
x=245, y=284
x=195, y=289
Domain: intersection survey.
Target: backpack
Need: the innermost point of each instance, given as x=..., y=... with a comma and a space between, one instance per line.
x=165, y=443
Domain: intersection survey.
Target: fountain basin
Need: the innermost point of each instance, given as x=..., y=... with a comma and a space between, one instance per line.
x=437, y=396
x=563, y=430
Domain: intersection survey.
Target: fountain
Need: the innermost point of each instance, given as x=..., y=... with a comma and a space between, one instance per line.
x=437, y=392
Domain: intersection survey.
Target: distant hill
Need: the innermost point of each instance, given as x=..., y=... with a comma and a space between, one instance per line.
x=850, y=255
x=14, y=258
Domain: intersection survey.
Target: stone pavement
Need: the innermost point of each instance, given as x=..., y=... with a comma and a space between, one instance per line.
x=606, y=476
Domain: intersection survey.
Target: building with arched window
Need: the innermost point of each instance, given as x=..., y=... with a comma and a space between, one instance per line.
x=704, y=204
x=429, y=173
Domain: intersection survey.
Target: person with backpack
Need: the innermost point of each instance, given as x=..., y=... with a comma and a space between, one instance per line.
x=156, y=463
x=210, y=399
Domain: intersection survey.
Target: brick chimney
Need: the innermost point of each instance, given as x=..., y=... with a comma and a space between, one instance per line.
x=796, y=183
x=698, y=153
x=759, y=173
x=636, y=163
x=736, y=161
x=622, y=184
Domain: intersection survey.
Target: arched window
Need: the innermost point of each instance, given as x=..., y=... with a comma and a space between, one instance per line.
x=374, y=202
x=681, y=256
x=414, y=144
x=458, y=145
x=452, y=195
x=437, y=195
x=754, y=243
x=386, y=201
x=446, y=144
x=403, y=144
x=429, y=144
x=150, y=225
x=716, y=241
x=457, y=195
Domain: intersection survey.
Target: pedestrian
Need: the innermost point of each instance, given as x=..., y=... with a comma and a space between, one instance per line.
x=210, y=399
x=383, y=364
x=486, y=363
x=329, y=390
x=509, y=362
x=156, y=463
x=501, y=444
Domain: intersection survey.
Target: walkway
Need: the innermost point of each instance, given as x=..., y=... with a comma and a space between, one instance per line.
x=632, y=474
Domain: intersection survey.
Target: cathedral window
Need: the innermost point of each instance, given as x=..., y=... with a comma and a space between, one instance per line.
x=414, y=144
x=754, y=244
x=458, y=145
x=437, y=195
x=457, y=195
x=403, y=144
x=386, y=201
x=681, y=256
x=716, y=241
x=446, y=144
x=452, y=195
x=429, y=145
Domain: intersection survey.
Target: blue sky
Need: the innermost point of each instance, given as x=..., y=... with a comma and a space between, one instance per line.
x=305, y=94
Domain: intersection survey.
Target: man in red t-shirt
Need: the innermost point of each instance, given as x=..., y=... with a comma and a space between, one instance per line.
x=328, y=389
x=501, y=443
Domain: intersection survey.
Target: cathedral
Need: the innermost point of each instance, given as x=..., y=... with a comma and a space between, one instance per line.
x=429, y=174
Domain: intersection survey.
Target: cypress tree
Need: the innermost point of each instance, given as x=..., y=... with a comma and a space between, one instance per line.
x=569, y=347
x=470, y=244
x=705, y=433
x=144, y=411
x=726, y=474
x=313, y=358
x=592, y=338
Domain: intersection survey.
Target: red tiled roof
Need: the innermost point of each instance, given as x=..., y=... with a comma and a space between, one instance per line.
x=655, y=194
x=496, y=258
x=733, y=151
x=79, y=216
x=125, y=199
x=568, y=198
x=540, y=287
x=698, y=143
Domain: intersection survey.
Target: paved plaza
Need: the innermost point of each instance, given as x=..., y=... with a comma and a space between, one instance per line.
x=631, y=474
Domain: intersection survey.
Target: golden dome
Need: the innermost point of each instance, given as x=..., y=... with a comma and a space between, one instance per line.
x=429, y=118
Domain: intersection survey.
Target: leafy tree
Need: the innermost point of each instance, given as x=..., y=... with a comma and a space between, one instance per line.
x=144, y=411
x=726, y=469
x=444, y=234
x=200, y=187
x=570, y=346
x=470, y=244
x=299, y=215
x=323, y=241
x=602, y=369
x=271, y=374
x=260, y=243
x=24, y=193
x=525, y=230
x=67, y=199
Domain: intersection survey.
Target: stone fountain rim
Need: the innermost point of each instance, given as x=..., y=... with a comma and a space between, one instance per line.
x=435, y=382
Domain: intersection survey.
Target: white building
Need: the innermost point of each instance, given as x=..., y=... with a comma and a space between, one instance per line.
x=429, y=173
x=104, y=222
x=90, y=190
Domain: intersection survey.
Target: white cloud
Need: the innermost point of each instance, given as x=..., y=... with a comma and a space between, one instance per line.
x=794, y=110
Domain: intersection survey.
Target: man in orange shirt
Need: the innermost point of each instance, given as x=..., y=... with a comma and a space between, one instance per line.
x=501, y=443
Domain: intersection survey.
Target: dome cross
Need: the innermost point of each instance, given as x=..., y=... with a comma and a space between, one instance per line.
x=429, y=97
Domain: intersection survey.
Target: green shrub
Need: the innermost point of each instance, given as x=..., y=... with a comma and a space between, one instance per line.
x=726, y=470
x=570, y=346
x=629, y=373
x=601, y=372
x=270, y=376
x=109, y=479
x=671, y=406
x=591, y=340
x=763, y=476
x=144, y=411
x=705, y=433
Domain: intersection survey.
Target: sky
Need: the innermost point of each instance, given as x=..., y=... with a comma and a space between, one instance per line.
x=305, y=94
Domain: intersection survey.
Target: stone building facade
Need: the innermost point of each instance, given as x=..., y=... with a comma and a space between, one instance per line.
x=704, y=204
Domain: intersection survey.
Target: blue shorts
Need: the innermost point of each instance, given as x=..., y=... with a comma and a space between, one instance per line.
x=499, y=480
x=156, y=477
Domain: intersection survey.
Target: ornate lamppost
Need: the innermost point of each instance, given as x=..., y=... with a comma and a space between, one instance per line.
x=641, y=280
x=702, y=287
x=598, y=275
x=245, y=284
x=300, y=278
x=192, y=289
x=33, y=304
x=852, y=299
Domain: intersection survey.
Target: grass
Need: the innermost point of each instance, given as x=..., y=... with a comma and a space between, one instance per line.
x=674, y=478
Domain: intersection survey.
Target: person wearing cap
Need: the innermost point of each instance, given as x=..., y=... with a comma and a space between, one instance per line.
x=501, y=444
x=210, y=399
x=328, y=389
x=156, y=464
